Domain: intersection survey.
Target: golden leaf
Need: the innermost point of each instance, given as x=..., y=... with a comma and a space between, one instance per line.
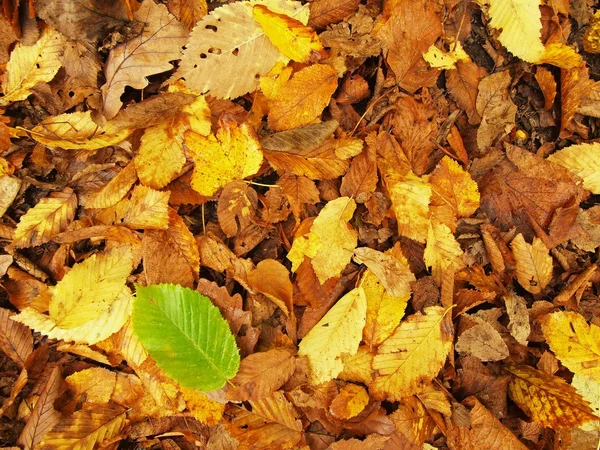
x=357, y=367
x=290, y=36
x=273, y=423
x=575, y=343
x=233, y=154
x=412, y=420
x=392, y=271
x=115, y=190
x=442, y=251
x=77, y=131
x=591, y=38
x=161, y=41
x=300, y=100
x=330, y=243
x=413, y=355
x=548, y=399
x=453, y=186
x=86, y=428
x=338, y=332
x=46, y=219
x=96, y=383
x=350, y=402
x=582, y=160
x=534, y=263
x=438, y=59
x=29, y=65
x=561, y=55
x=202, y=408
x=272, y=279
x=146, y=209
x=410, y=203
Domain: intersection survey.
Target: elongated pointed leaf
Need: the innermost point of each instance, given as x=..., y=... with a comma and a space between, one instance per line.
x=186, y=335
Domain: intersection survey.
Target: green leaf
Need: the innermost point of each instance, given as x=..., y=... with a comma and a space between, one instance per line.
x=186, y=335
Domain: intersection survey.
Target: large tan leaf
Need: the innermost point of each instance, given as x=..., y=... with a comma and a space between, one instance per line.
x=548, y=399
x=337, y=333
x=534, y=263
x=77, y=131
x=29, y=65
x=86, y=428
x=46, y=219
x=149, y=53
x=273, y=423
x=584, y=161
x=261, y=374
x=330, y=243
x=44, y=416
x=228, y=50
x=16, y=340
x=575, y=343
x=413, y=355
x=300, y=100
x=233, y=154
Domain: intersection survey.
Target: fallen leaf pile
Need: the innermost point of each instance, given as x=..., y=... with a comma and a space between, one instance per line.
x=279, y=224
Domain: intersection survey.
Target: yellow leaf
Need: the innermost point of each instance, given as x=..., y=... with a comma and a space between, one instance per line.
x=453, y=186
x=357, y=367
x=46, y=219
x=521, y=25
x=96, y=383
x=584, y=161
x=561, y=55
x=290, y=36
x=437, y=59
x=338, y=332
x=233, y=154
x=29, y=65
x=202, y=408
x=330, y=243
x=350, y=402
x=442, y=251
x=160, y=157
x=115, y=190
x=533, y=262
x=106, y=323
x=413, y=355
x=591, y=38
x=590, y=391
x=77, y=131
x=146, y=209
x=86, y=429
x=410, y=203
x=301, y=100
x=548, y=399
x=384, y=310
x=575, y=343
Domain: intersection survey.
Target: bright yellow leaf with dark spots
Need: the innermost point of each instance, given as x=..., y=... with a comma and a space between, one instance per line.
x=290, y=36
x=548, y=399
x=330, y=243
x=534, y=263
x=233, y=154
x=575, y=343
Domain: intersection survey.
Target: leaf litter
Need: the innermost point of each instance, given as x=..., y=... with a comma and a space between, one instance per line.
x=375, y=224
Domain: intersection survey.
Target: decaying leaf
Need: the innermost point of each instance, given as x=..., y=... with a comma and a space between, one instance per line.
x=337, y=333
x=393, y=272
x=483, y=342
x=495, y=107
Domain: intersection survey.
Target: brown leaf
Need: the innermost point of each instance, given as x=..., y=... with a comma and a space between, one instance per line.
x=236, y=207
x=495, y=107
x=483, y=342
x=547, y=84
x=408, y=33
x=188, y=11
x=463, y=87
x=16, y=340
x=272, y=279
x=574, y=86
x=479, y=380
x=324, y=12
x=261, y=374
x=413, y=421
x=361, y=178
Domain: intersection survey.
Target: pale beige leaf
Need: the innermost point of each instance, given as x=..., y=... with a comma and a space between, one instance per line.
x=584, y=161
x=394, y=274
x=228, y=51
x=338, y=332
x=161, y=41
x=412, y=356
x=516, y=308
x=483, y=342
x=495, y=107
x=534, y=263
x=46, y=219
x=9, y=188
x=29, y=65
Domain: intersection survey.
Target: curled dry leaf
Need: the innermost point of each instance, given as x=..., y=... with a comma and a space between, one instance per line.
x=483, y=342
x=272, y=279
